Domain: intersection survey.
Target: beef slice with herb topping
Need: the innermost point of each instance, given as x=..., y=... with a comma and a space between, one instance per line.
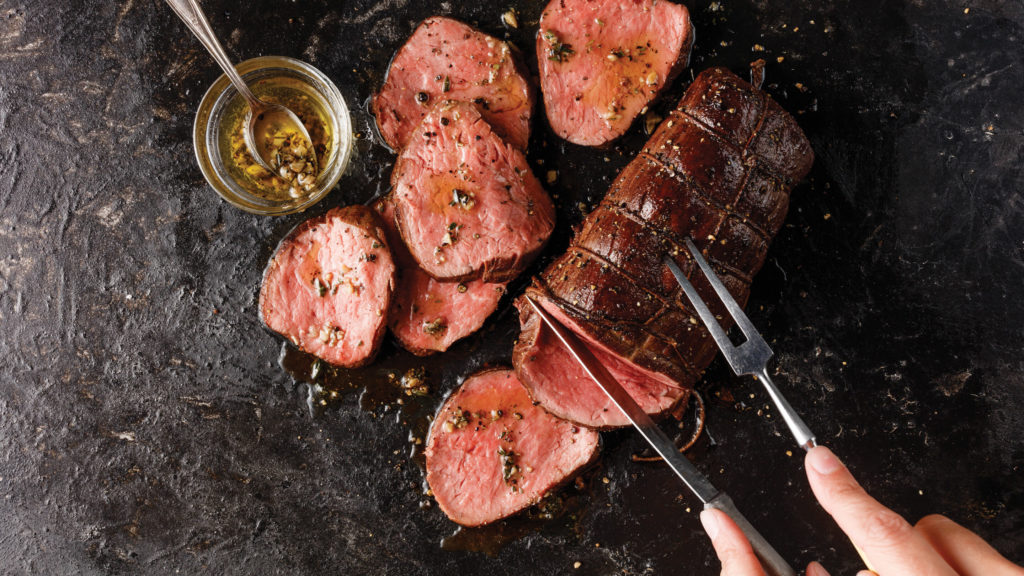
x=445, y=59
x=329, y=285
x=602, y=62
x=428, y=316
x=466, y=203
x=491, y=452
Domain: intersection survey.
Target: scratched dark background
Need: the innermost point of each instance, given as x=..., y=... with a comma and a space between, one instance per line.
x=146, y=425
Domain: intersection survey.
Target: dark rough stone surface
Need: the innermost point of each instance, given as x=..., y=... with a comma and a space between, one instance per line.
x=146, y=426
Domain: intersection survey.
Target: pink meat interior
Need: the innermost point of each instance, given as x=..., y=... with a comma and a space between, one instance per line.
x=558, y=382
x=491, y=414
x=466, y=201
x=326, y=295
x=602, y=62
x=427, y=315
x=445, y=59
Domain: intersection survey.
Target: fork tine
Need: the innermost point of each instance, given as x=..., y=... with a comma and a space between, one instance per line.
x=735, y=311
x=752, y=356
x=721, y=338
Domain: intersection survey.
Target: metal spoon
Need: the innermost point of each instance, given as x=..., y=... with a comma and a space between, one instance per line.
x=262, y=117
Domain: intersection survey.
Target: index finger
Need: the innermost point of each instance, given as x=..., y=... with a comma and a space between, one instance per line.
x=889, y=541
x=731, y=546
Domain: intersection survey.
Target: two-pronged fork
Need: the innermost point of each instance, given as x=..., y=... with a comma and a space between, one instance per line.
x=750, y=357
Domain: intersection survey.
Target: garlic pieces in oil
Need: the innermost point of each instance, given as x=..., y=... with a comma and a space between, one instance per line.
x=294, y=160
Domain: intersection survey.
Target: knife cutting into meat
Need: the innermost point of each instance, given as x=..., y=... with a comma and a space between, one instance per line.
x=712, y=497
x=749, y=358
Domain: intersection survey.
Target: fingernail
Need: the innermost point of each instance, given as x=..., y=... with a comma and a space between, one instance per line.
x=710, y=522
x=815, y=569
x=824, y=461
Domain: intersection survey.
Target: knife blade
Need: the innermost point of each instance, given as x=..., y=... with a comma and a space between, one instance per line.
x=711, y=497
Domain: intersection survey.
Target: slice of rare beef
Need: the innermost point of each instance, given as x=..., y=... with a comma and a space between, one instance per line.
x=445, y=59
x=491, y=452
x=328, y=286
x=426, y=315
x=602, y=61
x=466, y=204
x=565, y=390
x=719, y=169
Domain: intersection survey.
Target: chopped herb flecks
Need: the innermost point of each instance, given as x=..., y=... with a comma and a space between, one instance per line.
x=509, y=467
x=435, y=327
x=414, y=382
x=319, y=286
x=457, y=420
x=557, y=50
x=462, y=198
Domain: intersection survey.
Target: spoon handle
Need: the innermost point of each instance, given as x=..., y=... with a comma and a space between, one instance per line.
x=192, y=15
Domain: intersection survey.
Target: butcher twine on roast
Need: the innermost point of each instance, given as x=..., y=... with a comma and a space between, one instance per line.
x=719, y=169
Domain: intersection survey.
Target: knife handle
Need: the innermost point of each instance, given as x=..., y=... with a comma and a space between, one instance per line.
x=771, y=561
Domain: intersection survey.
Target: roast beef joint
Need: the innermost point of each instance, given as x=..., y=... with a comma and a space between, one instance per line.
x=719, y=169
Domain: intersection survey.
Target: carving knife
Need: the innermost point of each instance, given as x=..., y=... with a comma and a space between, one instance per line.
x=773, y=563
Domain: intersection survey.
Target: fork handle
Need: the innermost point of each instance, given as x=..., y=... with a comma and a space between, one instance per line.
x=773, y=563
x=803, y=435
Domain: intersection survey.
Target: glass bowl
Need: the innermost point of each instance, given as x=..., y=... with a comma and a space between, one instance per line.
x=209, y=134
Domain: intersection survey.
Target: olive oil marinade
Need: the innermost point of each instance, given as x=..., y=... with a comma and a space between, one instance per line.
x=307, y=105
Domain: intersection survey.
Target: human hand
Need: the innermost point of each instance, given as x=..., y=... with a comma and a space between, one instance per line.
x=935, y=546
